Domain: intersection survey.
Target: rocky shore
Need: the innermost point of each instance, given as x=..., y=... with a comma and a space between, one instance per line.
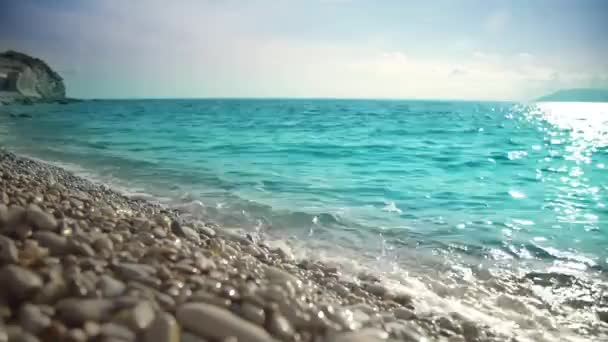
x=81, y=262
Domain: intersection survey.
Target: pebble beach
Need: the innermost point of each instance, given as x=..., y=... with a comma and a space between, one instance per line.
x=81, y=262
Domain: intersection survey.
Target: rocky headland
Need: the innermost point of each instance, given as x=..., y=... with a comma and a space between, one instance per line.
x=28, y=80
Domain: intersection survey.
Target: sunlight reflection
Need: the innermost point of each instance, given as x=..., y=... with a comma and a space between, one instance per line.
x=579, y=130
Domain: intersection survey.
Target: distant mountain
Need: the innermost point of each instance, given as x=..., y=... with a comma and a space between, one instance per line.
x=577, y=95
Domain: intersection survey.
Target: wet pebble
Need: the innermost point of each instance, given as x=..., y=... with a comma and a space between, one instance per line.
x=363, y=335
x=404, y=313
x=209, y=321
x=253, y=313
x=280, y=327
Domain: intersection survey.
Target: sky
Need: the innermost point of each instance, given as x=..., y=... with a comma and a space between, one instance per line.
x=444, y=49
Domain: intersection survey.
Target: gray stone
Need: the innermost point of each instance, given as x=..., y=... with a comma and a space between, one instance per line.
x=8, y=251
x=470, y=330
x=404, y=313
x=363, y=335
x=76, y=335
x=191, y=234
x=207, y=231
x=189, y=337
x=446, y=323
x=116, y=331
x=209, y=321
x=110, y=287
x=22, y=336
x=32, y=319
x=79, y=247
x=253, y=313
x=204, y=263
x=14, y=216
x=281, y=277
x=103, y=243
x=280, y=327
x=57, y=244
x=141, y=316
x=3, y=215
x=76, y=311
x=18, y=282
x=163, y=329
x=376, y=289
x=134, y=271
x=40, y=219
x=602, y=314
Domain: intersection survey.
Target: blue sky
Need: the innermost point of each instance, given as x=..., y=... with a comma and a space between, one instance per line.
x=453, y=49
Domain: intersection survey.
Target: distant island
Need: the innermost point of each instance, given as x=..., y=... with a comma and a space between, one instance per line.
x=576, y=95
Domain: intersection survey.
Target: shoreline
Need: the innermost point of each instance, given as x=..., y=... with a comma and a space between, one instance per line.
x=83, y=262
x=89, y=257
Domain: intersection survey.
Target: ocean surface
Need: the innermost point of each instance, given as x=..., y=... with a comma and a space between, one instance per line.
x=445, y=199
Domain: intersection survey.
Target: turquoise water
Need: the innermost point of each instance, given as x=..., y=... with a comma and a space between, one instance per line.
x=500, y=182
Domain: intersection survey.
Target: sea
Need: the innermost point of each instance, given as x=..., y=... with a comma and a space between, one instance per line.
x=495, y=210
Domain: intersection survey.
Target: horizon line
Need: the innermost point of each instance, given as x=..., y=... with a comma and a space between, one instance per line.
x=295, y=98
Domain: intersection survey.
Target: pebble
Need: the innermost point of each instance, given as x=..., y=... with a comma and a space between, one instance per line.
x=280, y=276
x=141, y=316
x=76, y=311
x=22, y=336
x=209, y=321
x=76, y=335
x=376, y=289
x=190, y=234
x=280, y=327
x=116, y=331
x=40, y=219
x=363, y=335
x=253, y=313
x=78, y=247
x=3, y=214
x=448, y=324
x=110, y=287
x=404, y=313
x=103, y=243
x=15, y=215
x=57, y=244
x=8, y=251
x=18, y=282
x=32, y=319
x=189, y=337
x=602, y=314
x=163, y=329
x=134, y=271
x=207, y=231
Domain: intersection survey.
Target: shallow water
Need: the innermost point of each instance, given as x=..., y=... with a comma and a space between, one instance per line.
x=423, y=190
